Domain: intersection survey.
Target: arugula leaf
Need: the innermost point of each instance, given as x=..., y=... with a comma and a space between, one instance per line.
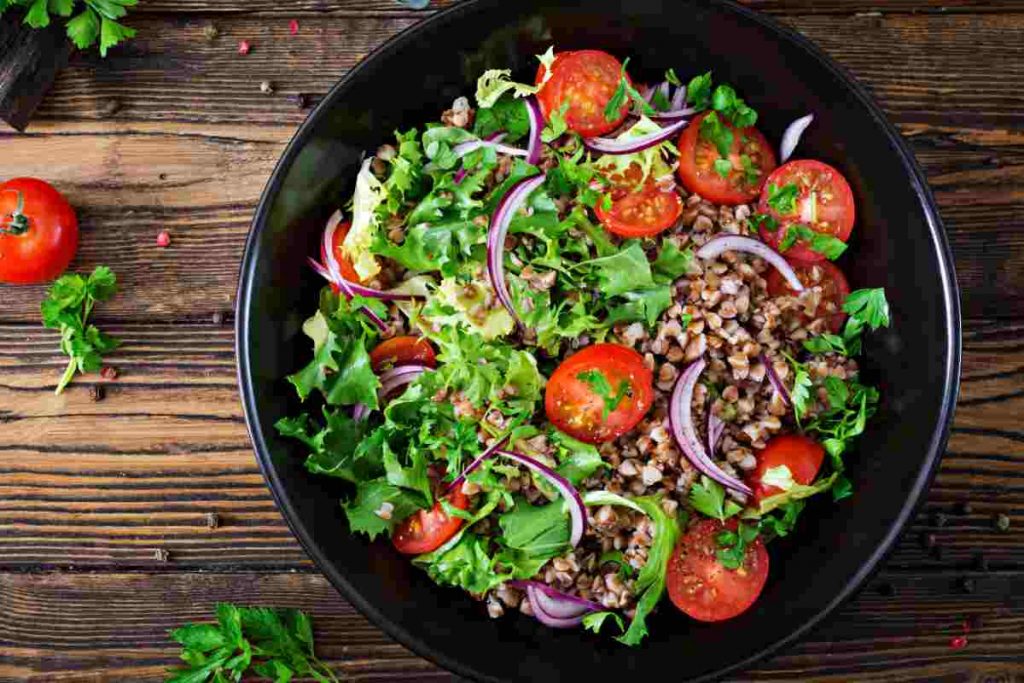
x=708, y=498
x=67, y=306
x=625, y=89
x=269, y=642
x=578, y=461
x=644, y=305
x=625, y=271
x=536, y=531
x=598, y=382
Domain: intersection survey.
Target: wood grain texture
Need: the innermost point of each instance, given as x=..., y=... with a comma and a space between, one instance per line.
x=91, y=491
x=900, y=632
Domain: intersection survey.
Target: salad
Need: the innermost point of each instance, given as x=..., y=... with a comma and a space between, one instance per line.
x=583, y=344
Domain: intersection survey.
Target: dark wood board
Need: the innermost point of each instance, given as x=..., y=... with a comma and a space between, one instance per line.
x=29, y=61
x=91, y=491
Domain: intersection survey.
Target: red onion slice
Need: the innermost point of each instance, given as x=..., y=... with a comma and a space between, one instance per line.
x=725, y=243
x=776, y=381
x=549, y=619
x=791, y=138
x=344, y=286
x=555, y=602
x=334, y=270
x=360, y=412
x=674, y=114
x=392, y=380
x=680, y=419
x=464, y=148
x=679, y=98
x=535, y=147
x=500, y=221
x=488, y=452
x=715, y=430
x=577, y=510
x=634, y=145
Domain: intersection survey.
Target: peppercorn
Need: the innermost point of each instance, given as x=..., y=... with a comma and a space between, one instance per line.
x=244, y=47
x=964, y=507
x=110, y=107
x=1002, y=522
x=212, y=520
x=266, y=88
x=108, y=372
x=97, y=392
x=161, y=555
x=163, y=239
x=965, y=584
x=210, y=31
x=218, y=318
x=939, y=519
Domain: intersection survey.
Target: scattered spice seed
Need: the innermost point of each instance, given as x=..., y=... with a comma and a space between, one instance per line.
x=108, y=372
x=163, y=239
x=218, y=318
x=939, y=519
x=266, y=88
x=212, y=520
x=97, y=392
x=293, y=26
x=964, y=507
x=965, y=584
x=1002, y=522
x=244, y=47
x=110, y=107
x=161, y=555
x=210, y=31
x=958, y=642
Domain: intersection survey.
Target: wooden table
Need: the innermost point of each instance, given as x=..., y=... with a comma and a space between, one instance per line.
x=106, y=534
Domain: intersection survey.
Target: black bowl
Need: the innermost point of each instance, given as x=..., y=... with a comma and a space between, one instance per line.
x=899, y=243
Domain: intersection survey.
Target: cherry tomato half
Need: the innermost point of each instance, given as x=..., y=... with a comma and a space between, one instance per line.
x=401, y=350
x=802, y=455
x=347, y=271
x=586, y=79
x=697, y=157
x=824, y=203
x=38, y=231
x=701, y=587
x=834, y=289
x=641, y=213
x=599, y=393
x=427, y=530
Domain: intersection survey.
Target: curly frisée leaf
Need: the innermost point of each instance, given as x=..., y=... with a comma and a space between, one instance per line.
x=369, y=194
x=493, y=83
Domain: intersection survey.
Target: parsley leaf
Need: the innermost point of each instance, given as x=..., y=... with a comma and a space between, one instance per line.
x=869, y=306
x=597, y=381
x=783, y=199
x=672, y=78
x=800, y=394
x=733, y=545
x=625, y=89
x=725, y=100
x=831, y=247
x=723, y=167
x=556, y=125
x=68, y=304
x=764, y=219
x=698, y=92
x=507, y=115
x=273, y=643
x=717, y=133
x=708, y=498
x=773, y=525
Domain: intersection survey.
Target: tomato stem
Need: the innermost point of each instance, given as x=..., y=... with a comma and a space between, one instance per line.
x=15, y=223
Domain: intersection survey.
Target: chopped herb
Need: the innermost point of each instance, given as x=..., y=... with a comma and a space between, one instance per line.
x=270, y=643
x=773, y=524
x=751, y=173
x=556, y=124
x=733, y=545
x=823, y=243
x=725, y=100
x=869, y=306
x=96, y=21
x=597, y=381
x=625, y=90
x=698, y=92
x=67, y=306
x=764, y=219
x=672, y=78
x=717, y=133
x=723, y=167
x=783, y=199
x=708, y=498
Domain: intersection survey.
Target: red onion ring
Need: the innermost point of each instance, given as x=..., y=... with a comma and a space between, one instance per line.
x=634, y=145
x=544, y=617
x=360, y=412
x=674, y=114
x=392, y=380
x=679, y=98
x=556, y=603
x=500, y=222
x=715, y=430
x=344, y=287
x=577, y=510
x=724, y=243
x=347, y=286
x=464, y=148
x=535, y=147
x=680, y=419
x=791, y=137
x=776, y=381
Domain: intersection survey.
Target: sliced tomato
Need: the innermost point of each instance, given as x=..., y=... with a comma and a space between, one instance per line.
x=802, y=455
x=824, y=203
x=576, y=406
x=347, y=270
x=751, y=159
x=586, y=80
x=427, y=530
x=641, y=213
x=834, y=289
x=38, y=231
x=701, y=587
x=401, y=350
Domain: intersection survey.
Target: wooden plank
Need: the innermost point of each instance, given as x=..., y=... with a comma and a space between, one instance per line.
x=29, y=61
x=112, y=627
x=105, y=484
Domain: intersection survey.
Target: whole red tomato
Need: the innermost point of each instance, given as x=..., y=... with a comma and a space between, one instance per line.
x=38, y=231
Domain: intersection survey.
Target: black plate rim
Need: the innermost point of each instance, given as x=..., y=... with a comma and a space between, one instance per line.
x=951, y=380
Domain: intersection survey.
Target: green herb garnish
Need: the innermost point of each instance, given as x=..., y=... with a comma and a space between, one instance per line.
x=732, y=545
x=823, y=243
x=613, y=110
x=96, y=20
x=708, y=498
x=597, y=381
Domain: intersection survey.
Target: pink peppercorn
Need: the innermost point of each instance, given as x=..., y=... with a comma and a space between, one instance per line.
x=958, y=642
x=244, y=47
x=293, y=26
x=108, y=372
x=163, y=239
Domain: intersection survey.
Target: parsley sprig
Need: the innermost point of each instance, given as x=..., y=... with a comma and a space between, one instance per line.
x=98, y=19
x=732, y=545
x=708, y=498
x=597, y=381
x=273, y=643
x=67, y=307
x=725, y=105
x=866, y=308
